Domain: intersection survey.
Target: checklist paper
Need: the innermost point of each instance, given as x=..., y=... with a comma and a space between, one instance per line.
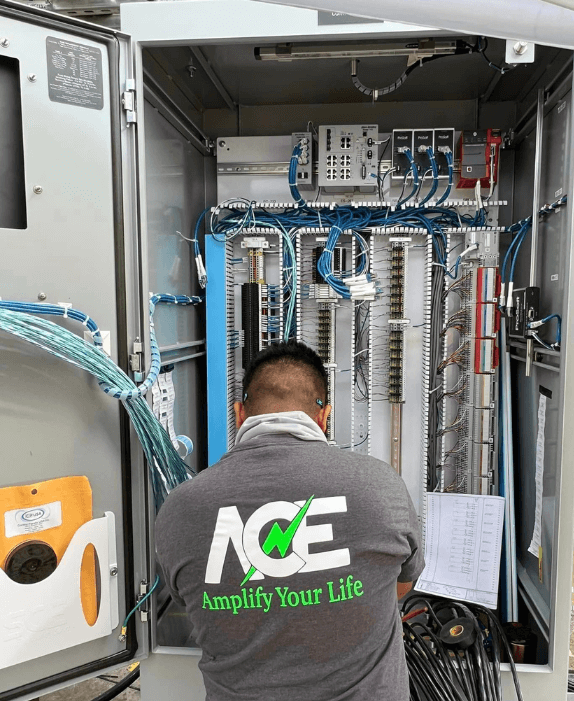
x=463, y=537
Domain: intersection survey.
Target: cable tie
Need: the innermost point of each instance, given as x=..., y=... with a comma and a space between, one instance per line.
x=65, y=306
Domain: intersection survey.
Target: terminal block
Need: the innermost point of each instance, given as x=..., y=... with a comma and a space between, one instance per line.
x=251, y=321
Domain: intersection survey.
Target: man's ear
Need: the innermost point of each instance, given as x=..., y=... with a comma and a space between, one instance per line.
x=240, y=414
x=322, y=417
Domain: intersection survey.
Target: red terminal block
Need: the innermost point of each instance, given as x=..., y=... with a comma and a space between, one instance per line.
x=487, y=284
x=487, y=320
x=484, y=356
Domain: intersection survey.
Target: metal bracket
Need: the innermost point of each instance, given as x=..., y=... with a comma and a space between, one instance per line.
x=129, y=101
x=519, y=52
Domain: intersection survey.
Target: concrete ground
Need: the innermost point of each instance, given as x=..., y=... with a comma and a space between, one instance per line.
x=91, y=689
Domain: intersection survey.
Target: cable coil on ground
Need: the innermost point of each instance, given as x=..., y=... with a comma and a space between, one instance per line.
x=453, y=651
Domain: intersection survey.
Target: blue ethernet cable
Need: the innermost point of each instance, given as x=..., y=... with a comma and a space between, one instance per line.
x=415, y=172
x=434, y=169
x=450, y=166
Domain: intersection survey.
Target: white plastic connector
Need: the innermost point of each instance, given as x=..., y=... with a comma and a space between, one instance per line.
x=444, y=149
x=361, y=288
x=201, y=272
x=402, y=149
x=509, y=299
x=535, y=324
x=502, y=298
x=254, y=242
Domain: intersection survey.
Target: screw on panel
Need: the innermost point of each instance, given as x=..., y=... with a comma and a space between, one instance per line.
x=42, y=296
x=113, y=571
x=4, y=43
x=38, y=189
x=32, y=77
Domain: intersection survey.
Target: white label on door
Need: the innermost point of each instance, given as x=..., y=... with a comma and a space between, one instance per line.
x=33, y=520
x=554, y=278
x=558, y=193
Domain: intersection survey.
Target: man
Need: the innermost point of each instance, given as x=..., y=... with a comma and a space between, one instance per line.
x=287, y=553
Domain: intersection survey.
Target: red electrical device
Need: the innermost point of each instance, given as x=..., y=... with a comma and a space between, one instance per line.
x=479, y=153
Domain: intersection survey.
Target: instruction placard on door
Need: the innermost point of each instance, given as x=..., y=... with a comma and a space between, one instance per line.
x=75, y=73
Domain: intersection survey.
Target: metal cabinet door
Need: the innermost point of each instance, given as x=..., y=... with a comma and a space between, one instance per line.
x=68, y=234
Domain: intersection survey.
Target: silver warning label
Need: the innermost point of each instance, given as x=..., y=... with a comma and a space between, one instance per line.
x=75, y=73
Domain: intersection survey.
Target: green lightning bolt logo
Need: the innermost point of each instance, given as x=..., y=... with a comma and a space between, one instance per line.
x=280, y=539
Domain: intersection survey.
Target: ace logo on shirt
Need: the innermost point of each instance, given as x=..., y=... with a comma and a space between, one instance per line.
x=255, y=558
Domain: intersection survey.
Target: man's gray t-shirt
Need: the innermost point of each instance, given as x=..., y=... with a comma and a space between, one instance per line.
x=286, y=555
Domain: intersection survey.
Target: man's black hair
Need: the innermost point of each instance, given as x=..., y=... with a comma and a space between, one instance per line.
x=292, y=352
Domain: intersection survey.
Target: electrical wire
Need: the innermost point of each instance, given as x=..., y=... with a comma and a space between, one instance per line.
x=139, y=604
x=537, y=324
x=440, y=671
x=450, y=166
x=122, y=685
x=413, y=169
x=375, y=93
x=481, y=47
x=434, y=169
x=167, y=469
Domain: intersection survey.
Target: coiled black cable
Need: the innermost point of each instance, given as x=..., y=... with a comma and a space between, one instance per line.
x=443, y=668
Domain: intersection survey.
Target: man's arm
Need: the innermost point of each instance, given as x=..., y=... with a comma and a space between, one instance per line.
x=403, y=588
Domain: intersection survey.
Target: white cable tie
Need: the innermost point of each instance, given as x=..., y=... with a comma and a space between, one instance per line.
x=65, y=306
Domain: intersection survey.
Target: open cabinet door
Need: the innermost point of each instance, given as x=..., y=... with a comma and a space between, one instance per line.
x=67, y=236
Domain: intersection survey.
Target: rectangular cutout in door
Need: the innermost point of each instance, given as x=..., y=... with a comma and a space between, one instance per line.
x=12, y=180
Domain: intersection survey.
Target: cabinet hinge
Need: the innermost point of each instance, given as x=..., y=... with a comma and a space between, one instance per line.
x=129, y=101
x=143, y=608
x=136, y=356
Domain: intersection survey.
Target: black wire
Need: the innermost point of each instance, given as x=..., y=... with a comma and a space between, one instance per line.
x=122, y=685
x=446, y=673
x=114, y=680
x=481, y=48
x=433, y=662
x=506, y=644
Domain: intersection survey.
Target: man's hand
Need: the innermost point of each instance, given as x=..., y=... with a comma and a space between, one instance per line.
x=403, y=588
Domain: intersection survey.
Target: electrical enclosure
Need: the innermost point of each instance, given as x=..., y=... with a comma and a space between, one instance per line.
x=118, y=206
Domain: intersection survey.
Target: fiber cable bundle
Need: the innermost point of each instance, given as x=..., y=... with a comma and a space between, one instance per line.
x=167, y=469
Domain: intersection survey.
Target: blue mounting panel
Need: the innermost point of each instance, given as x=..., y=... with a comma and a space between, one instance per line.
x=216, y=333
